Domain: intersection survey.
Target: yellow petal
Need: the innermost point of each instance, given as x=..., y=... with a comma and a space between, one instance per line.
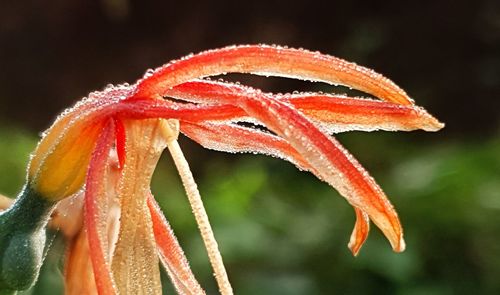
x=59, y=164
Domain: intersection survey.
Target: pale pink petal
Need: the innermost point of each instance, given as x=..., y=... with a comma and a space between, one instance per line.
x=135, y=263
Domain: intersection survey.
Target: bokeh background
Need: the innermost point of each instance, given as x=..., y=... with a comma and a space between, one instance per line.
x=281, y=231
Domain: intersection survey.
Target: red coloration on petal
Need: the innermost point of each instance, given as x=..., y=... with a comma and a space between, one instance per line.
x=120, y=141
x=156, y=108
x=360, y=232
x=271, y=60
x=208, y=114
x=335, y=112
x=332, y=162
x=234, y=138
x=93, y=197
x=172, y=255
x=332, y=113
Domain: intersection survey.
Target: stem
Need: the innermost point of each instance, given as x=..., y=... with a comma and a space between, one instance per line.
x=22, y=240
x=201, y=217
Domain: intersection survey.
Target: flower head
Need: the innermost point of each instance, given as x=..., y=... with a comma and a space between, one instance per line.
x=106, y=148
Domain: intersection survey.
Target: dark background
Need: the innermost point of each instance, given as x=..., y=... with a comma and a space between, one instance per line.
x=445, y=54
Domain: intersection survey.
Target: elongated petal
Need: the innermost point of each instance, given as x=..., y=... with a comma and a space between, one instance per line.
x=135, y=263
x=238, y=139
x=171, y=254
x=340, y=114
x=97, y=209
x=78, y=274
x=360, y=232
x=157, y=108
x=335, y=113
x=233, y=138
x=333, y=163
x=271, y=60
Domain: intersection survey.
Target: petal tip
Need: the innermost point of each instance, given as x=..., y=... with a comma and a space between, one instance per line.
x=433, y=124
x=354, y=248
x=400, y=246
x=428, y=122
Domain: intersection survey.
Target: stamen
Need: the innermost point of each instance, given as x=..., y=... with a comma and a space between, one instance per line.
x=197, y=206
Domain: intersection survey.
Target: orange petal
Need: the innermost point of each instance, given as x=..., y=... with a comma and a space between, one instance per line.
x=78, y=274
x=333, y=163
x=96, y=211
x=238, y=139
x=271, y=60
x=59, y=163
x=360, y=232
x=234, y=138
x=336, y=113
x=171, y=254
x=329, y=159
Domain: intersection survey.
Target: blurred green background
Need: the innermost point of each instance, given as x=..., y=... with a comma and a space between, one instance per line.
x=282, y=231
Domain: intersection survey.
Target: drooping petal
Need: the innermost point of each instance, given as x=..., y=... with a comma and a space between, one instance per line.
x=239, y=139
x=233, y=138
x=360, y=232
x=135, y=262
x=96, y=211
x=171, y=254
x=333, y=163
x=78, y=274
x=271, y=60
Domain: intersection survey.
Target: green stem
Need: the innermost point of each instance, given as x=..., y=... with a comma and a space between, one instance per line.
x=22, y=240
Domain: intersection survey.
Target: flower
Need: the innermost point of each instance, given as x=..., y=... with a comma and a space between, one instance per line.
x=105, y=149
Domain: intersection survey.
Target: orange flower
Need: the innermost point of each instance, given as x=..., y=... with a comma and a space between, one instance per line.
x=107, y=147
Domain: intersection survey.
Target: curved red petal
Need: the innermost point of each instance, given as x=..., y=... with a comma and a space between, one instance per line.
x=271, y=60
x=94, y=196
x=360, y=232
x=171, y=252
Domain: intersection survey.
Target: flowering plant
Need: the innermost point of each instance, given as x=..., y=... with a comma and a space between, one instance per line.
x=102, y=152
